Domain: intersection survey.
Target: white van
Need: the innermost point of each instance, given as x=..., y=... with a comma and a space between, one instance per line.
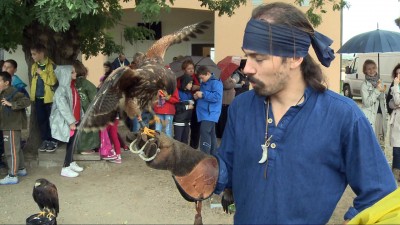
x=354, y=75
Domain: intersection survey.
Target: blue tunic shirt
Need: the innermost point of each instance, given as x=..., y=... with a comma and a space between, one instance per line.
x=317, y=149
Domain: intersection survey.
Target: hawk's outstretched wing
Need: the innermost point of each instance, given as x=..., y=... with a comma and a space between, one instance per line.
x=134, y=90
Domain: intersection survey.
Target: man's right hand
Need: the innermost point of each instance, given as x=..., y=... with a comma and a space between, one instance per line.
x=227, y=200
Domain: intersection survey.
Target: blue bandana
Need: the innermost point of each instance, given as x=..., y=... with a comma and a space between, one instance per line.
x=281, y=40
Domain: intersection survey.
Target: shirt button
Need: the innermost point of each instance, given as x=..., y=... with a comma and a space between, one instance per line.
x=273, y=145
x=269, y=120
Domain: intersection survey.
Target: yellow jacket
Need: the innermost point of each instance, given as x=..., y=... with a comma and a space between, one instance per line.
x=385, y=211
x=48, y=77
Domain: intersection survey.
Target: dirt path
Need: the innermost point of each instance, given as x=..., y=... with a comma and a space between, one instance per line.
x=106, y=193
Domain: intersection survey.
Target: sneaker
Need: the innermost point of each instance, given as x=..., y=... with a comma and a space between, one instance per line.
x=111, y=156
x=22, y=172
x=68, y=172
x=126, y=148
x=43, y=146
x=52, y=146
x=74, y=166
x=117, y=160
x=9, y=180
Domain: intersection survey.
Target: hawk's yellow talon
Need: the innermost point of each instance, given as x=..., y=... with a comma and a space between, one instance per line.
x=41, y=214
x=149, y=132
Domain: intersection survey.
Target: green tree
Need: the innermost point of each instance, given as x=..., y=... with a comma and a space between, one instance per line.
x=70, y=27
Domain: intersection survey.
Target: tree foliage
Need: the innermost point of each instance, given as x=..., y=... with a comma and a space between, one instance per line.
x=90, y=20
x=318, y=7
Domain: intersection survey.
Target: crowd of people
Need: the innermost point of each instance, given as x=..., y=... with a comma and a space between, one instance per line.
x=62, y=94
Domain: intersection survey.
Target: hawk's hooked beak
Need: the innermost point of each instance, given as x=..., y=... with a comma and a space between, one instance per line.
x=37, y=184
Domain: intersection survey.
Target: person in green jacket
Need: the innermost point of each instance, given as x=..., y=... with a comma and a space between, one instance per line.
x=89, y=141
x=12, y=120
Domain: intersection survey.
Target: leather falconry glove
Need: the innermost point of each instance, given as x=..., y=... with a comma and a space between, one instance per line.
x=195, y=173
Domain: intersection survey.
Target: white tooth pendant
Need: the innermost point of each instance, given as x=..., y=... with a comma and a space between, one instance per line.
x=264, y=155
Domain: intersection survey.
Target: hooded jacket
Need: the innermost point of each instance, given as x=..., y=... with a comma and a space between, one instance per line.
x=48, y=78
x=183, y=115
x=61, y=112
x=19, y=84
x=209, y=107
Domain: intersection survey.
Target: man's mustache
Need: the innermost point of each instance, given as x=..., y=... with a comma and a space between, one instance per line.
x=254, y=80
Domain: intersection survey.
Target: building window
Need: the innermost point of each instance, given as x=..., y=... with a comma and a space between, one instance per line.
x=305, y=3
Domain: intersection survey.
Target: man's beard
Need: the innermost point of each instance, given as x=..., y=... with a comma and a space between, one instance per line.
x=262, y=89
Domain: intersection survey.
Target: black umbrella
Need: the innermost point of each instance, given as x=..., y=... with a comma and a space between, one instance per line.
x=377, y=41
x=198, y=61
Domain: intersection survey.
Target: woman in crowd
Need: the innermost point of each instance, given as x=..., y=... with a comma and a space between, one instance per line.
x=373, y=98
x=227, y=97
x=394, y=104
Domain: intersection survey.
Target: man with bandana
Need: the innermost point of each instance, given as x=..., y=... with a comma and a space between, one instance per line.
x=301, y=144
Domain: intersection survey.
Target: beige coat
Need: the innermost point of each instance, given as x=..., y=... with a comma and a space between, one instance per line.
x=395, y=117
x=229, y=91
x=371, y=99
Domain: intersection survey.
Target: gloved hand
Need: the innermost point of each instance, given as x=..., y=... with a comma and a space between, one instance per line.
x=170, y=154
x=227, y=200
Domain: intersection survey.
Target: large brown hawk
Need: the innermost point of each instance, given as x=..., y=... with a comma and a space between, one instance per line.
x=46, y=196
x=132, y=90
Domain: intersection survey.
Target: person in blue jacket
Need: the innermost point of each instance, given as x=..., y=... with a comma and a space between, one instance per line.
x=209, y=103
x=120, y=61
x=290, y=146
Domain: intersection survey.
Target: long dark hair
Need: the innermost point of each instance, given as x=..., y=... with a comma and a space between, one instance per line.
x=286, y=14
x=109, y=65
x=394, y=70
x=80, y=69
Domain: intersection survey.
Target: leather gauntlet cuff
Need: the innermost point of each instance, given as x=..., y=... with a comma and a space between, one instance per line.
x=200, y=183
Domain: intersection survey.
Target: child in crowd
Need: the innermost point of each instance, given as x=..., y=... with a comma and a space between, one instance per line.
x=165, y=111
x=10, y=66
x=12, y=120
x=65, y=115
x=114, y=155
x=42, y=90
x=184, y=109
x=373, y=98
x=208, y=109
x=188, y=68
x=88, y=141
